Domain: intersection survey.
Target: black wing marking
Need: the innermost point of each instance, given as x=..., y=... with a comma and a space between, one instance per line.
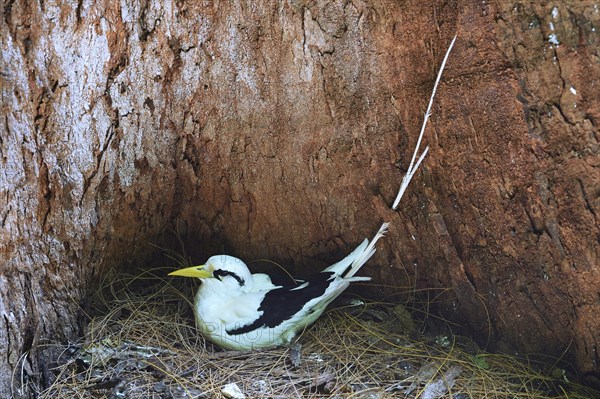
x=283, y=303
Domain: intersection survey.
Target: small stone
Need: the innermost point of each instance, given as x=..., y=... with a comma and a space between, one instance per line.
x=295, y=354
x=232, y=391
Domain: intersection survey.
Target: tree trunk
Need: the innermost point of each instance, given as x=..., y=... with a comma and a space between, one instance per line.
x=282, y=130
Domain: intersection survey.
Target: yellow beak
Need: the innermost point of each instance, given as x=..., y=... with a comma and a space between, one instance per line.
x=194, y=271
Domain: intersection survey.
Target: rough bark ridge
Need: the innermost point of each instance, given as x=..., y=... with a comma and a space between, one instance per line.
x=281, y=130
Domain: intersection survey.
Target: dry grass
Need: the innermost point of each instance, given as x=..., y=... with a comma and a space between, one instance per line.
x=145, y=346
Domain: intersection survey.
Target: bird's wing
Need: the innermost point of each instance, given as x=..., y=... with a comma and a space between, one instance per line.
x=239, y=311
x=262, y=282
x=292, y=302
x=274, y=305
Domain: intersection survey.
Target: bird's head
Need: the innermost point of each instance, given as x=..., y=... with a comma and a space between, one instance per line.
x=222, y=267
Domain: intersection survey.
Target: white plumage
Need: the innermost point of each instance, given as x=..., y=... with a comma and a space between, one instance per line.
x=239, y=310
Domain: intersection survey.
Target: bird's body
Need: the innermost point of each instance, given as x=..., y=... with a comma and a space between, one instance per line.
x=239, y=310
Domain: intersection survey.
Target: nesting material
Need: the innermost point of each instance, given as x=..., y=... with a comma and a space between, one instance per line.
x=145, y=346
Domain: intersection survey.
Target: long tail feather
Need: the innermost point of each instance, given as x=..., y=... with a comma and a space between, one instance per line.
x=367, y=253
x=340, y=267
x=412, y=168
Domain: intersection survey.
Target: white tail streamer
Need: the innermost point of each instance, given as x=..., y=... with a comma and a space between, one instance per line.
x=412, y=168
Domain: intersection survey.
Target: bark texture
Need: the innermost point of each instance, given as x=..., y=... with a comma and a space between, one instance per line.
x=281, y=130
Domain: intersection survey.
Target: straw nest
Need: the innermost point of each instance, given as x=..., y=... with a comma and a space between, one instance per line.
x=145, y=346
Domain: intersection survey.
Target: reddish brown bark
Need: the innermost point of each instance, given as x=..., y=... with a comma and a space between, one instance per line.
x=282, y=131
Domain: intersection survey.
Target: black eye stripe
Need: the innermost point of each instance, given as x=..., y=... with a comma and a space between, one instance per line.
x=222, y=273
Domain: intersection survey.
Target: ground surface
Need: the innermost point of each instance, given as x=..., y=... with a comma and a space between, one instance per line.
x=145, y=347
